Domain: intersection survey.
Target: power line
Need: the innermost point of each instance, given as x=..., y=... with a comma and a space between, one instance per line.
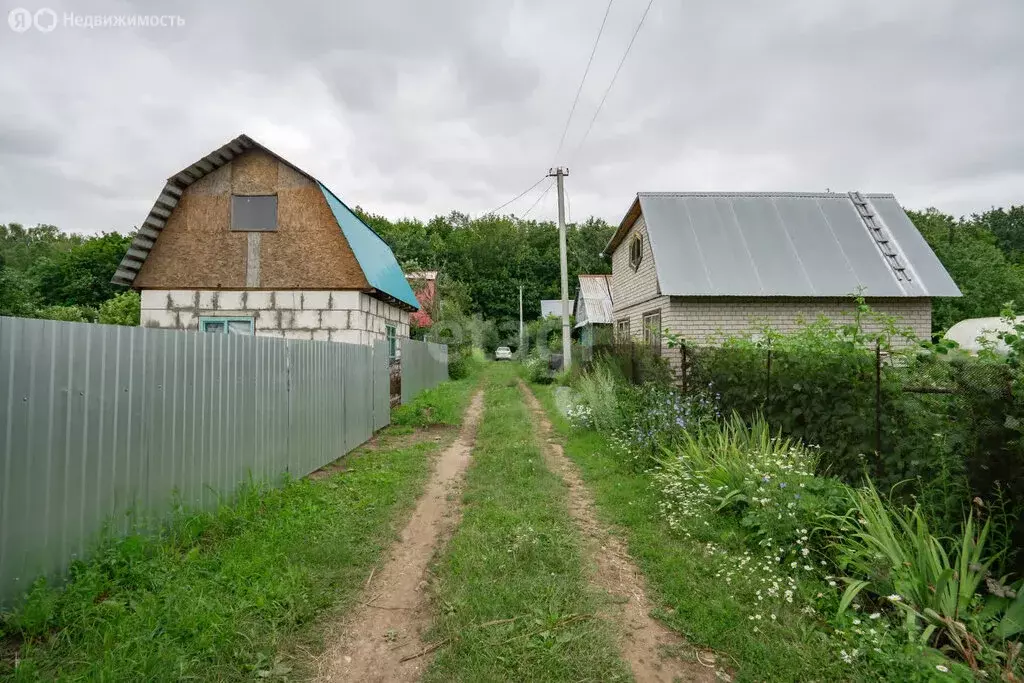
x=590, y=61
x=518, y=196
x=542, y=195
x=614, y=76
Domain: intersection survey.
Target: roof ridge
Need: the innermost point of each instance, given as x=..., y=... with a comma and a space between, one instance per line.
x=762, y=193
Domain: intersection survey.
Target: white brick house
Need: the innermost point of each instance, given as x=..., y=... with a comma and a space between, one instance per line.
x=708, y=265
x=244, y=242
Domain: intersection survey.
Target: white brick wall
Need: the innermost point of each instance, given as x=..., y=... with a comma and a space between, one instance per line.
x=344, y=316
x=706, y=320
x=631, y=287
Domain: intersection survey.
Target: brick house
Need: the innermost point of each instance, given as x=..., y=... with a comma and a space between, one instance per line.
x=708, y=264
x=244, y=242
x=424, y=284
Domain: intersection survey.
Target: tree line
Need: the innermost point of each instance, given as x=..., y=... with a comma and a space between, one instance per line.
x=48, y=273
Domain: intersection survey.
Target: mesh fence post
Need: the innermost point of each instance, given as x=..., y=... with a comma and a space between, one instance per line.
x=878, y=397
x=684, y=367
x=768, y=378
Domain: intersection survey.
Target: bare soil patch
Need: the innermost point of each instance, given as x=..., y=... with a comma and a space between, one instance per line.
x=654, y=651
x=381, y=639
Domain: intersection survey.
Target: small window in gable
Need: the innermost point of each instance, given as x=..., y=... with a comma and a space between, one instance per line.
x=636, y=251
x=254, y=213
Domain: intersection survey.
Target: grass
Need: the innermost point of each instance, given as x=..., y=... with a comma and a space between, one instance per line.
x=511, y=590
x=225, y=595
x=706, y=610
x=442, y=405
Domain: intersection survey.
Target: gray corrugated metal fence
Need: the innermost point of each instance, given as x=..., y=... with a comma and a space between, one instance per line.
x=99, y=422
x=424, y=366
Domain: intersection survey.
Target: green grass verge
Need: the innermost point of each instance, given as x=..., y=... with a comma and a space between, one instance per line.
x=516, y=555
x=225, y=595
x=706, y=610
x=442, y=405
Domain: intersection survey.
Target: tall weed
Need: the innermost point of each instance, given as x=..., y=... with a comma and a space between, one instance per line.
x=892, y=552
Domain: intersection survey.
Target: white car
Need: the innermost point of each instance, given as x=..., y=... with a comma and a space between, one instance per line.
x=503, y=353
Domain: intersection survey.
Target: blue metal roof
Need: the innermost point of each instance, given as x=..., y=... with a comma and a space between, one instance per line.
x=373, y=254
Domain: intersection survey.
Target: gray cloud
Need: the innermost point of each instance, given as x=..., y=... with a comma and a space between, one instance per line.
x=415, y=108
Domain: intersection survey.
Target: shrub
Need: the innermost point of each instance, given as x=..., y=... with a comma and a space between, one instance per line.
x=655, y=416
x=70, y=314
x=537, y=368
x=765, y=480
x=595, y=403
x=123, y=309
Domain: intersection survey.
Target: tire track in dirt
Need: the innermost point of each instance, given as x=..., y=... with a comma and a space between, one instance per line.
x=654, y=651
x=381, y=640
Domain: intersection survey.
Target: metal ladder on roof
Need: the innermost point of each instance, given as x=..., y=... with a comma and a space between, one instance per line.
x=877, y=231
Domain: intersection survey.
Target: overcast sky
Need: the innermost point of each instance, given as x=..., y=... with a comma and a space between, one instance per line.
x=416, y=108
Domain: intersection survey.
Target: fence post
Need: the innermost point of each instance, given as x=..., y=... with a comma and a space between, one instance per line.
x=878, y=397
x=632, y=363
x=682, y=349
x=768, y=378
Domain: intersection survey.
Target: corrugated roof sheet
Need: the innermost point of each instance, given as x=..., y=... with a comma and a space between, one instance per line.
x=784, y=244
x=374, y=255
x=594, y=300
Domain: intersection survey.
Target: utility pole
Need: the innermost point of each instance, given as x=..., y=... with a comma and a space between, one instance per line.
x=559, y=174
x=520, y=349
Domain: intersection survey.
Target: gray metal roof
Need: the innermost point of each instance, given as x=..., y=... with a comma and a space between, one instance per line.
x=594, y=300
x=550, y=307
x=785, y=244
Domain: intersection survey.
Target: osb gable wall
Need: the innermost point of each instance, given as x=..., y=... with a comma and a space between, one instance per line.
x=198, y=250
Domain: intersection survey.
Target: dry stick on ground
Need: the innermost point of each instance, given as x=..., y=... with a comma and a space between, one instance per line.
x=643, y=639
x=361, y=648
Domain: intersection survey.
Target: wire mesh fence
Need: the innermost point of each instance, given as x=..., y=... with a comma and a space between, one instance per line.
x=921, y=426
x=940, y=429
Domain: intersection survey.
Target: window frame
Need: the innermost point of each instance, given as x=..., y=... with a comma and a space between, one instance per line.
x=231, y=220
x=391, y=335
x=652, y=334
x=636, y=243
x=205, y=320
x=622, y=329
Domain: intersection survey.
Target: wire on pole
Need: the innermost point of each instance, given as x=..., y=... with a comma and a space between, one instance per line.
x=518, y=196
x=583, y=80
x=542, y=195
x=614, y=76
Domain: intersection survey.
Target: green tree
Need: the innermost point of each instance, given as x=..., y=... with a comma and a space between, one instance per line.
x=81, y=275
x=1007, y=225
x=970, y=252
x=15, y=293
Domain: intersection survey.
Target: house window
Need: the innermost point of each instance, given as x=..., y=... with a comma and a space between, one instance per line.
x=636, y=251
x=652, y=330
x=227, y=325
x=255, y=213
x=622, y=330
x=392, y=342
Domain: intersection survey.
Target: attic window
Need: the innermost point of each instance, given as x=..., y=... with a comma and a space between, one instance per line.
x=636, y=252
x=255, y=213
